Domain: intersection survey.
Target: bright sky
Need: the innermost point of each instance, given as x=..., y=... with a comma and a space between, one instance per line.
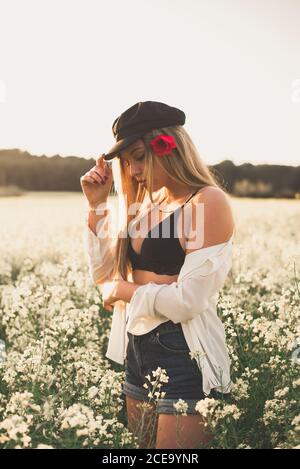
x=68, y=68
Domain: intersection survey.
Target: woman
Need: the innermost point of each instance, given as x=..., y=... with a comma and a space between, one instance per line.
x=176, y=264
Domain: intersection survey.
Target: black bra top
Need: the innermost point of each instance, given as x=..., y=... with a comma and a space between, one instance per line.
x=162, y=255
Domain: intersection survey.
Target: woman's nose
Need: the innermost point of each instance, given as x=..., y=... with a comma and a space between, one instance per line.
x=135, y=171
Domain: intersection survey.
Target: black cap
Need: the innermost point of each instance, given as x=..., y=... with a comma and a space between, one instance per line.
x=136, y=121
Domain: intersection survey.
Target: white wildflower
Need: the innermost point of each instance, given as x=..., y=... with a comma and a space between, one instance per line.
x=181, y=406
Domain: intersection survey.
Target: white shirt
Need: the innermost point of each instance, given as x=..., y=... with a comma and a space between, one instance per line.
x=191, y=300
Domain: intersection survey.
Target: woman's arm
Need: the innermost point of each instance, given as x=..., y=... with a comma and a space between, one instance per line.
x=116, y=290
x=125, y=290
x=93, y=218
x=99, y=244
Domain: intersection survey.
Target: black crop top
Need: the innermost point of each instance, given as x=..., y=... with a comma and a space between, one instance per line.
x=162, y=255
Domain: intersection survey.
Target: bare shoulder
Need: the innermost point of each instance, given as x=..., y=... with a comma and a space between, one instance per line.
x=213, y=198
x=209, y=194
x=216, y=222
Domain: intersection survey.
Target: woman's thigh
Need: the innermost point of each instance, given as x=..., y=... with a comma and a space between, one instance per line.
x=142, y=422
x=182, y=431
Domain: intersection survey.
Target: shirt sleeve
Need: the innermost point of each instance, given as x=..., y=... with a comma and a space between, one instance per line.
x=205, y=272
x=100, y=248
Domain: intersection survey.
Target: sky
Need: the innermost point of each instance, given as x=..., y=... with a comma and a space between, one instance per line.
x=68, y=68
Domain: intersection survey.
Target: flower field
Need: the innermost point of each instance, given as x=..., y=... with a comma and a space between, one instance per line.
x=58, y=390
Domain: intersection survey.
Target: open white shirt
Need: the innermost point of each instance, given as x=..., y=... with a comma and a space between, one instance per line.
x=191, y=300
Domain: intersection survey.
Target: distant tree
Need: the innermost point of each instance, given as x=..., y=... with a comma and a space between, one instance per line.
x=245, y=188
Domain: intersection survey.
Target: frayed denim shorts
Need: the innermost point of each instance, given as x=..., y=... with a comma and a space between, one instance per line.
x=164, y=347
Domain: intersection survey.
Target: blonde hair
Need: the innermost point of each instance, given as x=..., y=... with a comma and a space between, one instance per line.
x=184, y=164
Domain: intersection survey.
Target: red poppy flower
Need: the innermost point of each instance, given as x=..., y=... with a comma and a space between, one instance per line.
x=162, y=144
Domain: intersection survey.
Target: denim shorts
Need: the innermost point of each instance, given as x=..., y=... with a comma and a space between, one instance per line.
x=165, y=347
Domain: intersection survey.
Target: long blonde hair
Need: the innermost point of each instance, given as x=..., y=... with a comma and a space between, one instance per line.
x=184, y=164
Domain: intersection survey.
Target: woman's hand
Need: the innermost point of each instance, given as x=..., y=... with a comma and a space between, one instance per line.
x=117, y=289
x=109, y=294
x=96, y=183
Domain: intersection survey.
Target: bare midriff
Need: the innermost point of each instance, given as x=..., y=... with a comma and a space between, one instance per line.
x=144, y=276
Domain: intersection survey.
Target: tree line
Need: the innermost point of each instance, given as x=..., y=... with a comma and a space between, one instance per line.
x=42, y=173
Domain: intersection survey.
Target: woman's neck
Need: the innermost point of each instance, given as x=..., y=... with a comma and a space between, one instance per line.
x=172, y=195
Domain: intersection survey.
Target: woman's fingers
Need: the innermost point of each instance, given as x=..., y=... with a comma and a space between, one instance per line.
x=99, y=161
x=90, y=179
x=99, y=171
x=96, y=176
x=108, y=307
x=101, y=179
x=101, y=166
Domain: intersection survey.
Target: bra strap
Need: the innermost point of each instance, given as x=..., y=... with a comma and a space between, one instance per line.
x=190, y=198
